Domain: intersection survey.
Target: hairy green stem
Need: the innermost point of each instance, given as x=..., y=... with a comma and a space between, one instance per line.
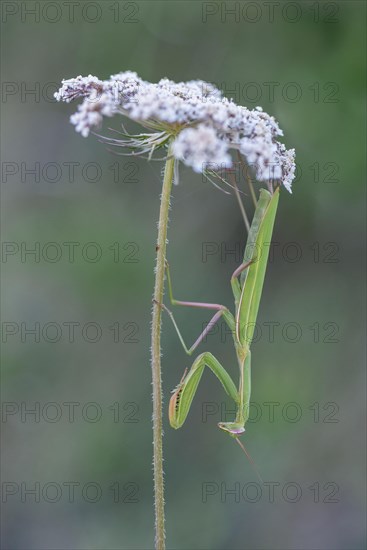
x=156, y=356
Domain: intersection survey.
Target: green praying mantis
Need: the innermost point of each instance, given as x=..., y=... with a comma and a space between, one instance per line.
x=247, y=284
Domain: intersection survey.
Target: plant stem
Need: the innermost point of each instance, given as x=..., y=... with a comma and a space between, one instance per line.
x=249, y=181
x=156, y=356
x=241, y=205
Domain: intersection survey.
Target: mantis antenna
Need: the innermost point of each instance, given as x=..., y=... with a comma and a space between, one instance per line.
x=250, y=459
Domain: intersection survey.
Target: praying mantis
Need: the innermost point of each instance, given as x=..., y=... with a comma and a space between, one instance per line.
x=247, y=284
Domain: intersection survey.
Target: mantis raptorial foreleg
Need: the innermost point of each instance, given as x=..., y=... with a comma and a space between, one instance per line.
x=183, y=395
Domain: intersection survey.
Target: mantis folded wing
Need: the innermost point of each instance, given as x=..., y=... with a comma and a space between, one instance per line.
x=247, y=284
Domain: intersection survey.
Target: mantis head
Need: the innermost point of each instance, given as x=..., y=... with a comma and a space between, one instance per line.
x=234, y=429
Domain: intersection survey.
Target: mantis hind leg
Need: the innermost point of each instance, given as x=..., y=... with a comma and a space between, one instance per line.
x=220, y=311
x=201, y=336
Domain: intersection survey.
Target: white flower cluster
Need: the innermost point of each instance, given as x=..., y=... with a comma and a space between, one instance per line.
x=204, y=124
x=102, y=98
x=195, y=146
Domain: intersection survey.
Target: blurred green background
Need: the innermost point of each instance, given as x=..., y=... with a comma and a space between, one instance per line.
x=85, y=371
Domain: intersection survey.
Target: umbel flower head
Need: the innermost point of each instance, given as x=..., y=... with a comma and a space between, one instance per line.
x=202, y=126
